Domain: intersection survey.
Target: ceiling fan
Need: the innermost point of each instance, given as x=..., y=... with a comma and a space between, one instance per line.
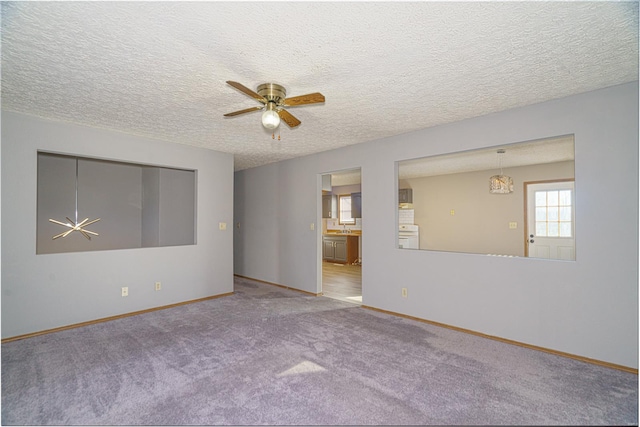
x=273, y=96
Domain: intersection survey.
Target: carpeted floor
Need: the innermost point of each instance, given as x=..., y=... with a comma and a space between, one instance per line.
x=268, y=355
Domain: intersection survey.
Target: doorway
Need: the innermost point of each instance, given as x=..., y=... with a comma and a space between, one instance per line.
x=550, y=218
x=341, y=234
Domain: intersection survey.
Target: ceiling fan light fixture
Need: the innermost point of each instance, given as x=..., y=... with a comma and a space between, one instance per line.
x=270, y=118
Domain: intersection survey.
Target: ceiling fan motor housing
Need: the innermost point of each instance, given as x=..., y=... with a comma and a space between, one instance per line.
x=273, y=92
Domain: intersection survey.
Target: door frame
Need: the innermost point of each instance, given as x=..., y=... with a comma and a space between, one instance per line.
x=318, y=225
x=526, y=206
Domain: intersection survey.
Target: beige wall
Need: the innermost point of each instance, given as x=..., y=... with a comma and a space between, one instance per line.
x=480, y=223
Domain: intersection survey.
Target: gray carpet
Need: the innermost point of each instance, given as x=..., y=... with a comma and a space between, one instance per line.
x=268, y=355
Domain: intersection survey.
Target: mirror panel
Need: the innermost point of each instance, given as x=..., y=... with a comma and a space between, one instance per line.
x=127, y=205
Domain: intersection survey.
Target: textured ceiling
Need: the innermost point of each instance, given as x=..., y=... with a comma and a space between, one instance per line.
x=158, y=69
x=549, y=150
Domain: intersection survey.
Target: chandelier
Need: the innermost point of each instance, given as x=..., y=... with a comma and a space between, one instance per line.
x=75, y=225
x=500, y=184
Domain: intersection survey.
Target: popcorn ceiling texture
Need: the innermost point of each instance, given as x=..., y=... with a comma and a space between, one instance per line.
x=158, y=69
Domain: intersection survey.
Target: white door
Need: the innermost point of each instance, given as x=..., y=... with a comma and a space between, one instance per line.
x=551, y=220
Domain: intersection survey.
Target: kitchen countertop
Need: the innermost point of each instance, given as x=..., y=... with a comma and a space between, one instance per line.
x=340, y=233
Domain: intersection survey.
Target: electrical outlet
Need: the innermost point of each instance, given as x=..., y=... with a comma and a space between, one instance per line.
x=158, y=286
x=125, y=291
x=452, y=212
x=404, y=292
x=312, y=226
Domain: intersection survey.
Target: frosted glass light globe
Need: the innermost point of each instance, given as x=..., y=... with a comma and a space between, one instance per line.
x=270, y=119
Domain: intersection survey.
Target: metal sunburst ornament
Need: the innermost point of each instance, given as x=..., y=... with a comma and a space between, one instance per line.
x=75, y=225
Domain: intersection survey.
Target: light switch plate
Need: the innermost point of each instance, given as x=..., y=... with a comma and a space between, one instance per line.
x=223, y=225
x=513, y=225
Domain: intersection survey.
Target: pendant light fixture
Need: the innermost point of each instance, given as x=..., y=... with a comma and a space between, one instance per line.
x=75, y=225
x=500, y=184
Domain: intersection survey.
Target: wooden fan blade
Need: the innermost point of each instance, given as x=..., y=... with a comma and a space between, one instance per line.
x=286, y=117
x=248, y=110
x=248, y=91
x=310, y=98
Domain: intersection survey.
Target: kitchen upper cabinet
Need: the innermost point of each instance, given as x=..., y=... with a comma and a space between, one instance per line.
x=356, y=205
x=326, y=182
x=329, y=206
x=405, y=195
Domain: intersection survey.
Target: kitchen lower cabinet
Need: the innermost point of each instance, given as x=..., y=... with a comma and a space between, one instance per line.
x=328, y=249
x=340, y=249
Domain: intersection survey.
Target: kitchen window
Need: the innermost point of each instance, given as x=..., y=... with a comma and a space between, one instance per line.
x=344, y=210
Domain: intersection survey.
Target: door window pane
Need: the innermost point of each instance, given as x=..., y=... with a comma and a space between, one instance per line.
x=565, y=198
x=554, y=213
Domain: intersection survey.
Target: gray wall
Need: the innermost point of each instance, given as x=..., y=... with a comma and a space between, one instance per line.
x=481, y=220
x=588, y=307
x=345, y=189
x=51, y=290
